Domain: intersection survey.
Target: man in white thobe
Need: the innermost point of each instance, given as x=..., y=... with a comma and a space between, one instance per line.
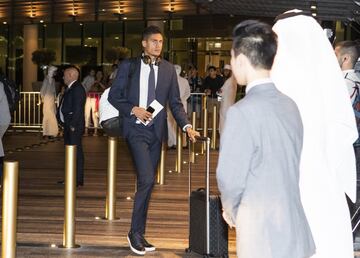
x=306, y=70
x=228, y=95
x=184, y=89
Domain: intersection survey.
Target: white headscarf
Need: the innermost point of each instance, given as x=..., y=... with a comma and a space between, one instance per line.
x=307, y=70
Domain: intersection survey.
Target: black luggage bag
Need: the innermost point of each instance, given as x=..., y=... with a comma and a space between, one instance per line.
x=208, y=232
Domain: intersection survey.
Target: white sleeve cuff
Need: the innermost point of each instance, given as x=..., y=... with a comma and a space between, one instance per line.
x=186, y=126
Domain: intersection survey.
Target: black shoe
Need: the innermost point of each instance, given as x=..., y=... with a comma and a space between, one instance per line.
x=136, y=243
x=60, y=182
x=148, y=247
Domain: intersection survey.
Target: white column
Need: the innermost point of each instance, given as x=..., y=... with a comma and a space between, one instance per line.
x=30, y=45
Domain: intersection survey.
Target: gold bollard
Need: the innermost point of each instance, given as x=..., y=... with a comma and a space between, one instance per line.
x=161, y=167
x=205, y=122
x=9, y=209
x=70, y=197
x=192, y=156
x=205, y=133
x=110, y=212
x=214, y=131
x=179, y=150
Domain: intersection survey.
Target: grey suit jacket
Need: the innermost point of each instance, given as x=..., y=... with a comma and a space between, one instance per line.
x=4, y=107
x=258, y=176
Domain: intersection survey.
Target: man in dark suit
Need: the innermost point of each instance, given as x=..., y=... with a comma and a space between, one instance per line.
x=139, y=81
x=72, y=115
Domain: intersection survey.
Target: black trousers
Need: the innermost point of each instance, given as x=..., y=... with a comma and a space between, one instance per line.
x=75, y=138
x=145, y=149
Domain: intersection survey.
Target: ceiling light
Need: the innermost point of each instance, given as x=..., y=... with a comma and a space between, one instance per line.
x=313, y=5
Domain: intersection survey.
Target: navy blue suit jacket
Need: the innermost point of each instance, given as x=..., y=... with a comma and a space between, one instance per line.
x=73, y=107
x=125, y=91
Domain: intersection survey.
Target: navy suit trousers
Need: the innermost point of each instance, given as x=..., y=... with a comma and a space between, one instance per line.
x=145, y=148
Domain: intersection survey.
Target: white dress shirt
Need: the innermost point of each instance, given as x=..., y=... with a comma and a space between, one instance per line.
x=257, y=82
x=144, y=83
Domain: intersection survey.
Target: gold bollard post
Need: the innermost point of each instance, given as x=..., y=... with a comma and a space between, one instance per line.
x=70, y=197
x=110, y=212
x=205, y=133
x=192, y=156
x=161, y=167
x=9, y=209
x=214, y=130
x=179, y=150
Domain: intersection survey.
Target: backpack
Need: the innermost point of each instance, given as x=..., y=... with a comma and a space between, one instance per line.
x=356, y=108
x=111, y=120
x=11, y=91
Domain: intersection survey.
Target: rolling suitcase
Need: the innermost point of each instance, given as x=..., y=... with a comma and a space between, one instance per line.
x=208, y=232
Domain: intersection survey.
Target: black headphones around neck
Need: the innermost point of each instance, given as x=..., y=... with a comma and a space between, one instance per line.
x=147, y=59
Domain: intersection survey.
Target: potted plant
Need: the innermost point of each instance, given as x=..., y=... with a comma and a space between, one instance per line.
x=113, y=54
x=43, y=57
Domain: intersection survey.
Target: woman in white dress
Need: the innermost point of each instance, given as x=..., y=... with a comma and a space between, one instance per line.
x=48, y=96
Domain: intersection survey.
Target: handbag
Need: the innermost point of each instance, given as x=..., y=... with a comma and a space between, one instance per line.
x=113, y=127
x=111, y=120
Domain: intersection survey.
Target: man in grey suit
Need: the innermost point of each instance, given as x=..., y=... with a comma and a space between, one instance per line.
x=138, y=83
x=258, y=169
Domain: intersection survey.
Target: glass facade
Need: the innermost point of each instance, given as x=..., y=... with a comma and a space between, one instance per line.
x=93, y=44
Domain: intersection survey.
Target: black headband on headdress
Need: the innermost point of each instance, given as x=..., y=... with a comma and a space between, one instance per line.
x=291, y=14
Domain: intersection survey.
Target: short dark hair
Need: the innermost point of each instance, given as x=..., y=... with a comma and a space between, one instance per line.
x=150, y=31
x=211, y=67
x=257, y=41
x=349, y=47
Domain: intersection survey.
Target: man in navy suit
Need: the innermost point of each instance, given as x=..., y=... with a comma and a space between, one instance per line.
x=139, y=81
x=72, y=115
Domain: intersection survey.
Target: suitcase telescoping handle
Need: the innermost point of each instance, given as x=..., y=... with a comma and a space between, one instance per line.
x=202, y=138
x=207, y=200
x=207, y=140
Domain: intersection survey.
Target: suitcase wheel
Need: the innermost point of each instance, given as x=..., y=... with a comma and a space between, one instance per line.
x=188, y=250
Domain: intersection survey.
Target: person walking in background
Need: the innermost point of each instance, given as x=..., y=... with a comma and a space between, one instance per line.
x=87, y=83
x=89, y=80
x=138, y=84
x=258, y=167
x=184, y=89
x=72, y=116
x=306, y=69
x=5, y=119
x=228, y=95
x=211, y=85
x=48, y=96
x=112, y=75
x=92, y=102
x=227, y=72
x=347, y=55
